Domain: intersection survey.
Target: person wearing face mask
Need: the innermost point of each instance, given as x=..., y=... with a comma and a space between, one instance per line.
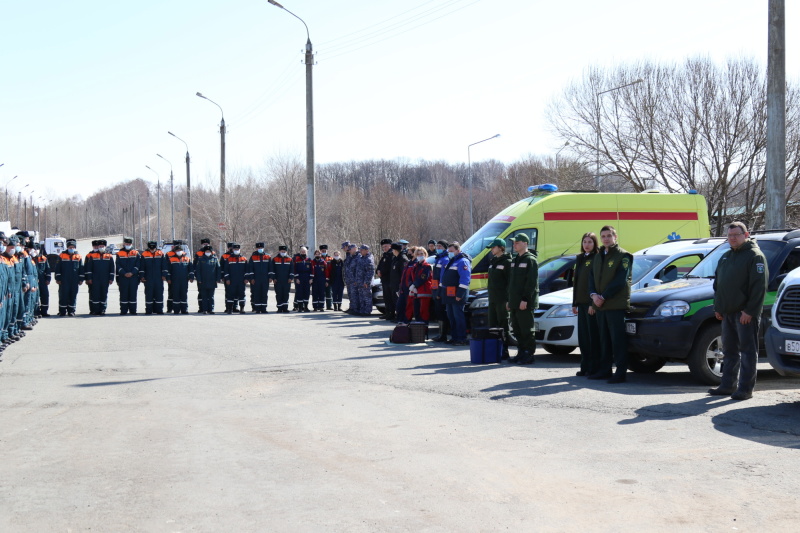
x=207, y=273
x=281, y=274
x=318, y=281
x=323, y=250
x=31, y=296
x=5, y=275
x=455, y=285
x=302, y=274
x=350, y=276
x=440, y=309
x=99, y=274
x=44, y=274
x=152, y=274
x=497, y=289
x=420, y=289
x=223, y=264
x=69, y=276
x=128, y=276
x=364, y=274
x=259, y=270
x=335, y=280
x=384, y=272
x=431, y=249
x=200, y=253
x=180, y=272
x=235, y=279
x=394, y=311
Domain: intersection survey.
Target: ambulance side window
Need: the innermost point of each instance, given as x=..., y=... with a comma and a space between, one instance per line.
x=532, y=234
x=678, y=268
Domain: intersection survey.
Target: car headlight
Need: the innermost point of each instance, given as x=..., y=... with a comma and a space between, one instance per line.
x=479, y=303
x=672, y=308
x=780, y=289
x=561, y=311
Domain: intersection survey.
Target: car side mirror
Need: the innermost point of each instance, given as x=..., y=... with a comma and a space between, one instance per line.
x=775, y=283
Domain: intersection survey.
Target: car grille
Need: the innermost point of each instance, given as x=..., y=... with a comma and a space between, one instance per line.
x=788, y=313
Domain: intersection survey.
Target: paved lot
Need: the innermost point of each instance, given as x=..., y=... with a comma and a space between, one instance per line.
x=313, y=423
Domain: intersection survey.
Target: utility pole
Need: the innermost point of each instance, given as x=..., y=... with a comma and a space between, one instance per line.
x=775, y=215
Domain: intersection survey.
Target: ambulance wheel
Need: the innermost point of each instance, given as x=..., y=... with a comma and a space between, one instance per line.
x=705, y=359
x=645, y=364
x=557, y=349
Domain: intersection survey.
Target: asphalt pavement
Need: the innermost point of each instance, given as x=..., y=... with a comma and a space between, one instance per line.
x=313, y=422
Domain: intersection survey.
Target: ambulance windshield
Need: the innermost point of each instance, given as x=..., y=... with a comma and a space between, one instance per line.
x=483, y=237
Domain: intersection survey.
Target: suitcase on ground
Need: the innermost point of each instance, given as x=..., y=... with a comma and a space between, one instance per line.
x=486, y=346
x=401, y=334
x=419, y=332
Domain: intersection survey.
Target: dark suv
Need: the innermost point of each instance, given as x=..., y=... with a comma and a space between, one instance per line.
x=675, y=321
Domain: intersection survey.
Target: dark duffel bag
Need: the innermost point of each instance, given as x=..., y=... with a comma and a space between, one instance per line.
x=401, y=334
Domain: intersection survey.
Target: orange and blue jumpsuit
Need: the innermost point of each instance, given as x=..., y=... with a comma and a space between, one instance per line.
x=69, y=275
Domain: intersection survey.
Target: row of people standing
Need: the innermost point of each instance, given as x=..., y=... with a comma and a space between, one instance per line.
x=22, y=272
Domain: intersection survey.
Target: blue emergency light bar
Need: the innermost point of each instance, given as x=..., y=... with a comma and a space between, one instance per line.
x=546, y=187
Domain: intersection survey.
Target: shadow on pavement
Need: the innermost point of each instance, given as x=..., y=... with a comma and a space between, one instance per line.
x=773, y=425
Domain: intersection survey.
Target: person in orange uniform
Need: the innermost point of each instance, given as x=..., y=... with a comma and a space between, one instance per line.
x=99, y=275
x=69, y=276
x=259, y=272
x=128, y=276
x=179, y=273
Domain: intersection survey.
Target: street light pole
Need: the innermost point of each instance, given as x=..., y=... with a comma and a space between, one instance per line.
x=469, y=171
x=311, y=206
x=597, y=129
x=158, y=193
x=222, y=131
x=19, y=200
x=188, y=190
x=9, y=181
x=171, y=195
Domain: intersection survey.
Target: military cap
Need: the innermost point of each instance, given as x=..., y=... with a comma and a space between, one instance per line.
x=23, y=234
x=205, y=240
x=497, y=242
x=206, y=248
x=177, y=247
x=37, y=246
x=259, y=245
x=102, y=242
x=364, y=247
x=352, y=246
x=71, y=242
x=235, y=245
x=95, y=242
x=152, y=243
x=397, y=246
x=13, y=240
x=403, y=241
x=29, y=244
x=177, y=241
x=386, y=241
x=443, y=243
x=346, y=244
x=127, y=240
x=431, y=241
x=521, y=238
x=230, y=245
x=282, y=248
x=323, y=246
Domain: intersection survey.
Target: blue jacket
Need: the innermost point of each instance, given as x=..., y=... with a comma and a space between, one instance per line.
x=455, y=279
x=364, y=269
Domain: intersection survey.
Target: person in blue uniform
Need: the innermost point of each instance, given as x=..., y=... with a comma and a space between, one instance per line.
x=323, y=250
x=18, y=284
x=318, y=281
x=301, y=274
x=151, y=274
x=350, y=265
x=207, y=274
x=179, y=273
x=364, y=273
x=44, y=272
x=455, y=284
x=99, y=275
x=5, y=275
x=259, y=273
x=235, y=273
x=335, y=280
x=282, y=278
x=69, y=276
x=128, y=276
x=200, y=253
x=438, y=292
x=31, y=292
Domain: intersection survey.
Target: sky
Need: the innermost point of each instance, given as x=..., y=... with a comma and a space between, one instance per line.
x=90, y=88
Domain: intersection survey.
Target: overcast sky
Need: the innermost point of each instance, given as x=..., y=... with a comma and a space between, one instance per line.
x=90, y=88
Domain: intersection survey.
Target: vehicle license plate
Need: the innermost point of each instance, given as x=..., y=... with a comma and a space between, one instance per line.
x=630, y=327
x=793, y=346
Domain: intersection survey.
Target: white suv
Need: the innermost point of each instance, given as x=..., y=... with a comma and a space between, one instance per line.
x=783, y=336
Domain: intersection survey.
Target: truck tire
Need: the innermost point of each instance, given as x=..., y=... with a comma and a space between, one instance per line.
x=705, y=359
x=645, y=364
x=557, y=349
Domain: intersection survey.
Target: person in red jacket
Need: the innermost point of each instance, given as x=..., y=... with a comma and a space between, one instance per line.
x=421, y=286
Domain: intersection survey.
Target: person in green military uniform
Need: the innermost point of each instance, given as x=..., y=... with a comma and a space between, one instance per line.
x=740, y=285
x=588, y=335
x=499, y=273
x=610, y=290
x=523, y=299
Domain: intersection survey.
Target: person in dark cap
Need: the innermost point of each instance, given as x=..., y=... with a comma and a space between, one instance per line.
x=384, y=273
x=6, y=269
x=455, y=282
x=350, y=276
x=335, y=279
x=223, y=264
x=15, y=283
x=167, y=260
x=128, y=276
x=318, y=281
x=207, y=274
x=282, y=278
x=323, y=251
x=235, y=279
x=205, y=241
x=44, y=274
x=302, y=275
x=259, y=272
x=180, y=272
x=397, y=267
x=497, y=288
x=152, y=273
x=30, y=297
x=69, y=276
x=364, y=274
x=440, y=309
x=405, y=249
x=431, y=248
x=99, y=274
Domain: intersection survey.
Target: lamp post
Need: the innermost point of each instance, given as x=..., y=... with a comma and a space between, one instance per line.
x=311, y=206
x=19, y=200
x=171, y=195
x=559, y=152
x=469, y=170
x=9, y=181
x=158, y=200
x=188, y=189
x=597, y=128
x=221, y=154
x=26, y=208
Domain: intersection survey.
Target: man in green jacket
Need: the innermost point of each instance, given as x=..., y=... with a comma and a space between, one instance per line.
x=610, y=289
x=740, y=285
x=523, y=299
x=499, y=273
